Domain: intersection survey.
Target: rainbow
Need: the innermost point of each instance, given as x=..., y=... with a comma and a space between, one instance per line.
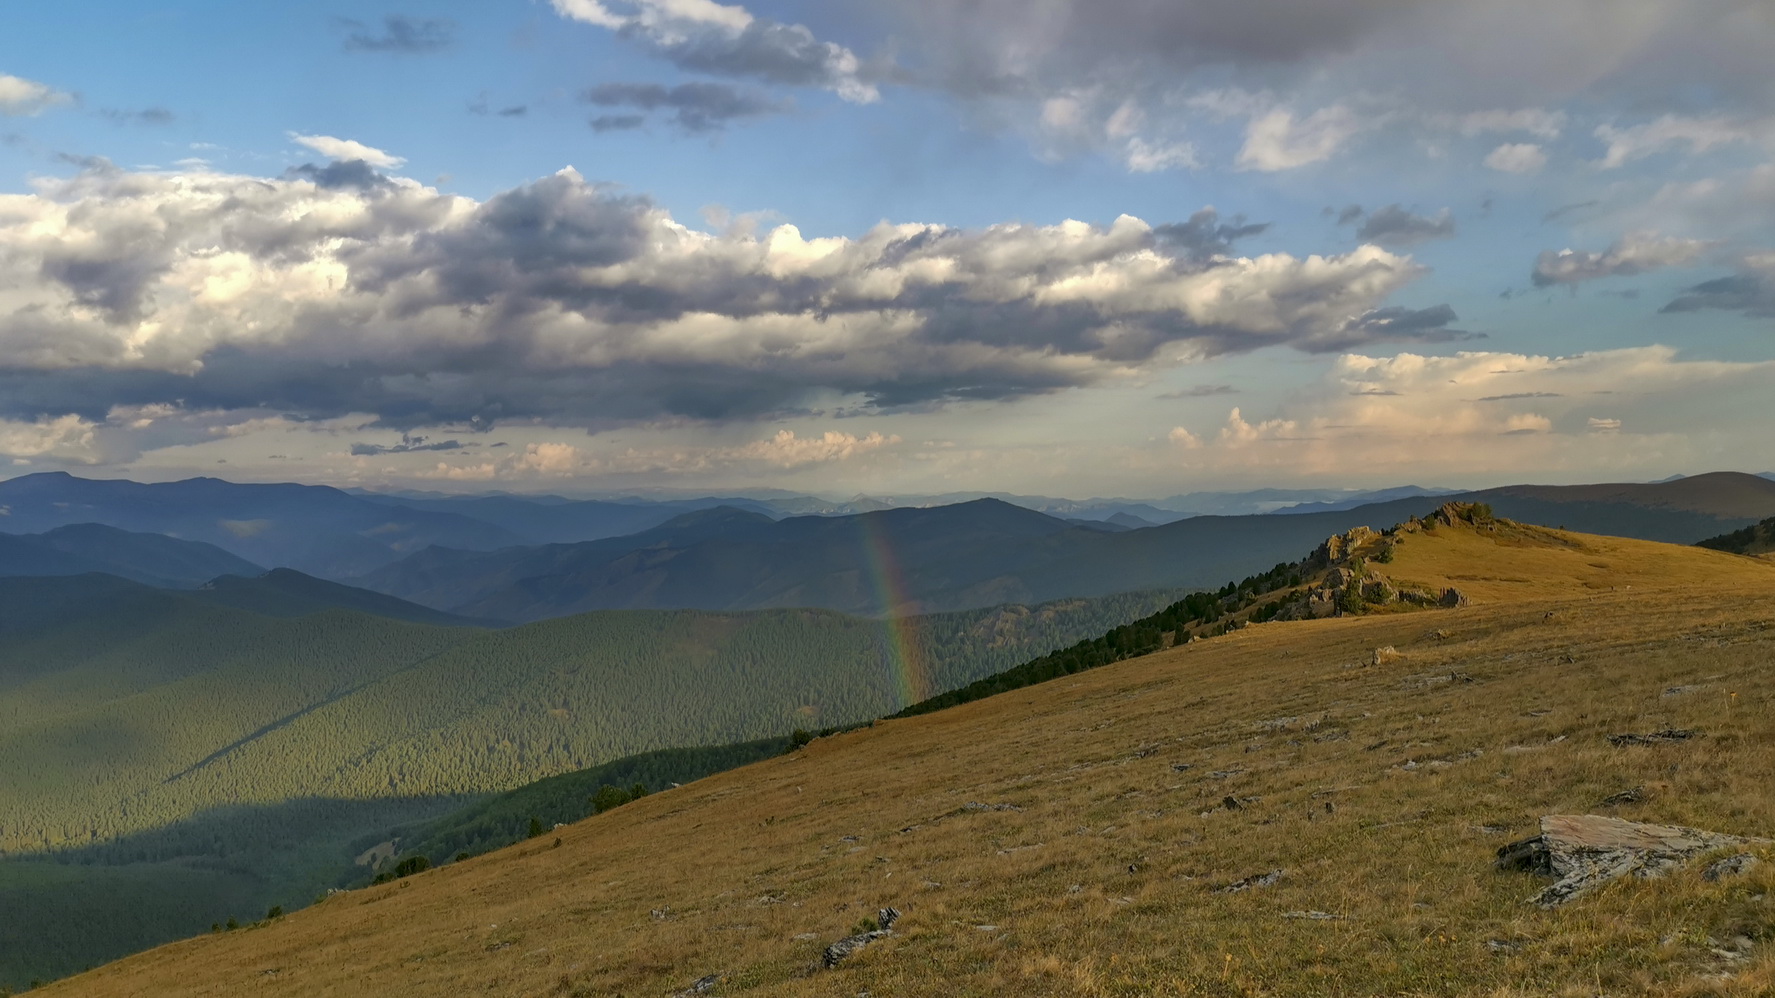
x=905, y=645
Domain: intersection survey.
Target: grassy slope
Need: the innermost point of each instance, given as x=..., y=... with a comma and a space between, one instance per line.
x=1105, y=883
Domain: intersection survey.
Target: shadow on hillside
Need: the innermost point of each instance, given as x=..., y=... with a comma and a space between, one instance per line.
x=85, y=906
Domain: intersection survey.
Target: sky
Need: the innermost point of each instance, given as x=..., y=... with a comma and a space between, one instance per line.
x=1123, y=247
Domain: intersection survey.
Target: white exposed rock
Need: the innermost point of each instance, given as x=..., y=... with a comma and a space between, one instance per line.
x=1587, y=851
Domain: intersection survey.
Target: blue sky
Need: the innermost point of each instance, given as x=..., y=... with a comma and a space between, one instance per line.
x=335, y=243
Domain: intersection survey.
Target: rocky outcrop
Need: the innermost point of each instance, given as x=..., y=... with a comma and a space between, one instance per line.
x=845, y=948
x=1343, y=547
x=1586, y=851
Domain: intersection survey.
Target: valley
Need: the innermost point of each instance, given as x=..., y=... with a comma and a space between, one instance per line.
x=1374, y=788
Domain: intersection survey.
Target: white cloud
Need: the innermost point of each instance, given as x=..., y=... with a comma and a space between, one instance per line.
x=1635, y=253
x=1491, y=413
x=1150, y=157
x=1698, y=134
x=1276, y=140
x=20, y=97
x=704, y=36
x=1517, y=157
x=347, y=150
x=1540, y=122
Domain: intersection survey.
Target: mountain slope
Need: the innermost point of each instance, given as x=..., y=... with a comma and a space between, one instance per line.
x=285, y=592
x=1074, y=837
x=151, y=559
x=318, y=530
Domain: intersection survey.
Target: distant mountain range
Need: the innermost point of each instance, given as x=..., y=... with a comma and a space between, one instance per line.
x=318, y=530
x=504, y=557
x=154, y=559
x=1122, y=511
x=916, y=560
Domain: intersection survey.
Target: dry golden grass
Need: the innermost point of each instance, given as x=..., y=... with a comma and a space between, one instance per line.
x=1380, y=790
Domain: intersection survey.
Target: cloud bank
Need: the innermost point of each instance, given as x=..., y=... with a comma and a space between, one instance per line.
x=340, y=290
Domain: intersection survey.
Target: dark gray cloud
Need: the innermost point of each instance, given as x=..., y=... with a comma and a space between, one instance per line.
x=1201, y=391
x=618, y=122
x=480, y=106
x=408, y=445
x=1568, y=209
x=571, y=303
x=694, y=107
x=1750, y=294
x=145, y=116
x=354, y=174
x=399, y=34
x=1431, y=52
x=1393, y=225
x=1397, y=323
x=1635, y=253
x=1205, y=235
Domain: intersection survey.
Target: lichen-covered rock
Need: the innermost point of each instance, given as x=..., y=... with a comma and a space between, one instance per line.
x=1452, y=597
x=1587, y=851
x=1731, y=866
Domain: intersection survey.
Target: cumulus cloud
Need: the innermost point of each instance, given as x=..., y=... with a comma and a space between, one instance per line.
x=348, y=151
x=1393, y=225
x=20, y=97
x=68, y=438
x=399, y=34
x=786, y=450
x=1635, y=253
x=694, y=107
x=568, y=301
x=727, y=40
x=1517, y=157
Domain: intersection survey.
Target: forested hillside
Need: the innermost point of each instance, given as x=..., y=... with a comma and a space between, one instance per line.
x=1755, y=539
x=188, y=754
x=171, y=704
